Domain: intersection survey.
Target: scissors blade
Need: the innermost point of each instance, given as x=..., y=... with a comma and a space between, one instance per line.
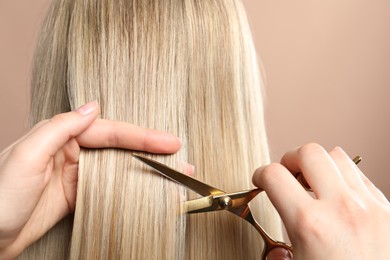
x=204, y=204
x=191, y=183
x=228, y=201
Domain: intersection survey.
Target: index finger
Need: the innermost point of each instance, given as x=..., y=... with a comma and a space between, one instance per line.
x=284, y=191
x=104, y=133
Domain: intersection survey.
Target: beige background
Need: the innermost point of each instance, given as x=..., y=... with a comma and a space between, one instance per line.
x=326, y=64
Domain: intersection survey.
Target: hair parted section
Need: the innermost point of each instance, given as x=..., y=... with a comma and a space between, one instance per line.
x=184, y=66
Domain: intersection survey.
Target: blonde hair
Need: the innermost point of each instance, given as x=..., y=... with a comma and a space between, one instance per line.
x=183, y=66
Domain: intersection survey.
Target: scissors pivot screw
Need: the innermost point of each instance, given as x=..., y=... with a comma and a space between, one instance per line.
x=225, y=202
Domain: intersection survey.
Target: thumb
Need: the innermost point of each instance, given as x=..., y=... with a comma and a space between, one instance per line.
x=48, y=138
x=279, y=254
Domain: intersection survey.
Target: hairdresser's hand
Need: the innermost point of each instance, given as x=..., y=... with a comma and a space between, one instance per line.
x=347, y=219
x=38, y=173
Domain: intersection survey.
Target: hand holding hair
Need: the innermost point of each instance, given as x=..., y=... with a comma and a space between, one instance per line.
x=348, y=218
x=38, y=173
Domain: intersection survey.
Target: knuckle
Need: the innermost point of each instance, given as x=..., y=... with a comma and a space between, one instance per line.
x=271, y=172
x=113, y=139
x=353, y=212
x=58, y=119
x=310, y=148
x=62, y=122
x=307, y=227
x=337, y=153
x=352, y=208
x=22, y=153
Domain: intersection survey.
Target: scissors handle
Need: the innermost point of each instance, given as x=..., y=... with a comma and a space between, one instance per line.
x=269, y=242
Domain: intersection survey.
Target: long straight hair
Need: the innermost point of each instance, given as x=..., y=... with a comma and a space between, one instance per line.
x=184, y=66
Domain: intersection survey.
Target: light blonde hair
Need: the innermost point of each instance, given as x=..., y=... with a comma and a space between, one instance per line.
x=183, y=66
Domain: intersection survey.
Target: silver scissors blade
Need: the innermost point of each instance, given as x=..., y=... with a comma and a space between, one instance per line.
x=191, y=183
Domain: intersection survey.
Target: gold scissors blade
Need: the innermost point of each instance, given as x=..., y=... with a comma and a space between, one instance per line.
x=204, y=204
x=215, y=199
x=227, y=201
x=191, y=183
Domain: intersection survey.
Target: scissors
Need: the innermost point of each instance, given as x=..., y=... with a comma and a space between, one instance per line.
x=215, y=199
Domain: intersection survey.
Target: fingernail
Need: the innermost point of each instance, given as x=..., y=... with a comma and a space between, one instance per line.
x=88, y=108
x=172, y=137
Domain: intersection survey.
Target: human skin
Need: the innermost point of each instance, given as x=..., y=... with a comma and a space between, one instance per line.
x=38, y=173
x=347, y=218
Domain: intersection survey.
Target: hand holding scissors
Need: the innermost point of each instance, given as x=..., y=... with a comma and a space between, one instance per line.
x=237, y=202
x=348, y=217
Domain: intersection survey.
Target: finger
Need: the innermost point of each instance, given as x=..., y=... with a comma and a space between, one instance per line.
x=284, y=191
x=318, y=168
x=50, y=136
x=107, y=133
x=348, y=169
x=354, y=177
x=279, y=254
x=70, y=173
x=373, y=189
